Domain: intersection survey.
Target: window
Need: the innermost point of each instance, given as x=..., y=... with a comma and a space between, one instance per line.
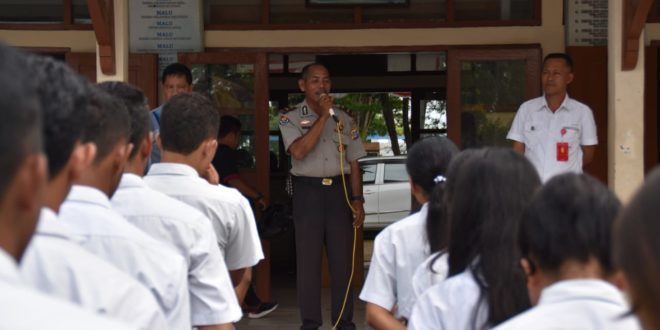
x=395, y=173
x=297, y=14
x=32, y=11
x=45, y=14
x=369, y=173
x=493, y=10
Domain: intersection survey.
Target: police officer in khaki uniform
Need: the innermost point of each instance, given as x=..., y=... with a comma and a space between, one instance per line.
x=315, y=139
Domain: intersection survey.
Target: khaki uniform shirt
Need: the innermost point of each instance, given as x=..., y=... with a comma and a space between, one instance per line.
x=323, y=160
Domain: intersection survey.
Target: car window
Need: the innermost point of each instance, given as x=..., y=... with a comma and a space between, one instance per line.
x=369, y=173
x=395, y=173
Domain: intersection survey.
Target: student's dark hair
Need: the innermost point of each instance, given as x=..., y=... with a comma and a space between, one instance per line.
x=108, y=123
x=569, y=218
x=427, y=164
x=486, y=196
x=305, y=69
x=562, y=56
x=64, y=97
x=228, y=124
x=636, y=247
x=138, y=110
x=187, y=120
x=177, y=69
x=20, y=127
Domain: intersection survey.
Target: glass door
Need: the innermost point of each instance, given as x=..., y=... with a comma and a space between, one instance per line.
x=238, y=86
x=485, y=89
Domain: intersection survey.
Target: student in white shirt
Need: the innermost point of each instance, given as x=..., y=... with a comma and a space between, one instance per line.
x=188, y=131
x=106, y=233
x=22, y=192
x=213, y=302
x=565, y=235
x=637, y=253
x=486, y=285
x=435, y=268
x=400, y=247
x=53, y=263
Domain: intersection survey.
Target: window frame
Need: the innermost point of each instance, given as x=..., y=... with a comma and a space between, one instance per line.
x=358, y=14
x=67, y=22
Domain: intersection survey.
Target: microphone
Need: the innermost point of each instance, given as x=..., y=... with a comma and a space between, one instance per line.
x=332, y=111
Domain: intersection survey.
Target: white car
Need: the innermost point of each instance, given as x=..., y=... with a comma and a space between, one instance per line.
x=386, y=190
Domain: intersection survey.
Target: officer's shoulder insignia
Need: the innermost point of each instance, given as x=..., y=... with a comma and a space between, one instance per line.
x=355, y=134
x=286, y=110
x=284, y=120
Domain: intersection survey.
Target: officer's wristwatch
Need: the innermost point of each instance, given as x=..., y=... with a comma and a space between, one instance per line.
x=358, y=198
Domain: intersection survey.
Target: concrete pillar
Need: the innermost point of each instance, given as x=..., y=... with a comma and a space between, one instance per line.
x=121, y=45
x=625, y=112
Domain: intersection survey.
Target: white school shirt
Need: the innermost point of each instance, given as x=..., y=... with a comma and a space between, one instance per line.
x=450, y=305
x=55, y=265
x=22, y=308
x=540, y=130
x=398, y=249
x=425, y=277
x=105, y=233
x=229, y=212
x=212, y=296
x=585, y=304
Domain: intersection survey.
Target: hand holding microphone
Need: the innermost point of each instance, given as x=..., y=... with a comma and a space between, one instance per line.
x=331, y=111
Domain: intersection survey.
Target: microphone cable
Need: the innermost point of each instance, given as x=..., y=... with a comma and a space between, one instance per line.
x=350, y=206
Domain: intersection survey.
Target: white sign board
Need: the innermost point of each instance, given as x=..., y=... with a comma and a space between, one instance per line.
x=160, y=26
x=586, y=23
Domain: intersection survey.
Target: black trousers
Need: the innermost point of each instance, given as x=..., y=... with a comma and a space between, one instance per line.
x=322, y=217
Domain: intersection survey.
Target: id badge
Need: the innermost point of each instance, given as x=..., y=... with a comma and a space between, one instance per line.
x=562, y=151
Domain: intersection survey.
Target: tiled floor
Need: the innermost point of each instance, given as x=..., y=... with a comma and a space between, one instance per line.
x=286, y=316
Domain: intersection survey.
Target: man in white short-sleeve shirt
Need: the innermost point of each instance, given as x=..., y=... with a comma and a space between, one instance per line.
x=56, y=265
x=53, y=263
x=189, y=127
x=104, y=232
x=213, y=302
x=22, y=193
x=555, y=132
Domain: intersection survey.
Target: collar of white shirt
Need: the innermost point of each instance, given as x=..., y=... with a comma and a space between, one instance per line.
x=172, y=169
x=581, y=289
x=130, y=180
x=88, y=195
x=50, y=226
x=8, y=268
x=564, y=103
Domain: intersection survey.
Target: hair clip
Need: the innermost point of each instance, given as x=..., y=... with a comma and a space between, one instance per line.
x=439, y=178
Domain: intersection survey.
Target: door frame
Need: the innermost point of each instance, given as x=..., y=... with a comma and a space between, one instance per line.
x=530, y=54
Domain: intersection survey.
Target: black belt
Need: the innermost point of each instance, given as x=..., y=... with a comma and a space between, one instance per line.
x=327, y=181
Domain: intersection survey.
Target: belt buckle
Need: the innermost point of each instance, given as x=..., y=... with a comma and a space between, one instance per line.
x=326, y=181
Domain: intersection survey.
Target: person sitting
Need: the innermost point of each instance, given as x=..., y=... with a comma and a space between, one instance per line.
x=565, y=236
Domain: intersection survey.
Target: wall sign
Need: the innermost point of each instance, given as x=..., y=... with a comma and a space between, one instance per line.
x=586, y=23
x=166, y=27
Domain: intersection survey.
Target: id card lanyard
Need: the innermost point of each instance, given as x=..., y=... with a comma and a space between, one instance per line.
x=562, y=147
